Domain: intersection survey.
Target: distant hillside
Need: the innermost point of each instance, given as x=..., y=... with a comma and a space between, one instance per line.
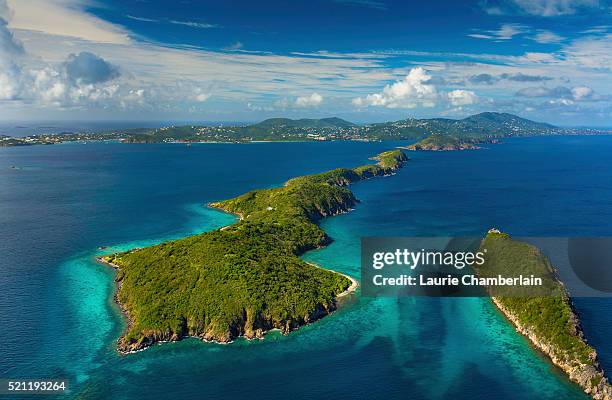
x=294, y=129
x=504, y=123
x=479, y=128
x=488, y=124
x=332, y=122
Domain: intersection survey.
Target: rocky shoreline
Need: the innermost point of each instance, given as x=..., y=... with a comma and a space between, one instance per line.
x=124, y=347
x=590, y=377
x=545, y=314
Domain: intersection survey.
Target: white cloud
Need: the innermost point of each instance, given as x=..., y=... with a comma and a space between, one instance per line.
x=553, y=8
x=201, y=95
x=505, y=32
x=542, y=8
x=577, y=93
x=193, y=24
x=590, y=52
x=536, y=57
x=9, y=88
x=64, y=18
x=545, y=37
x=409, y=92
x=596, y=29
x=580, y=93
x=564, y=102
x=462, y=97
x=141, y=19
x=53, y=86
x=309, y=101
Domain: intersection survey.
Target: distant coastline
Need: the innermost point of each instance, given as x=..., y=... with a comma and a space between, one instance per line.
x=437, y=133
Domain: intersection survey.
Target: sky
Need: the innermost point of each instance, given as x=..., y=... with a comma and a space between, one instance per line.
x=362, y=60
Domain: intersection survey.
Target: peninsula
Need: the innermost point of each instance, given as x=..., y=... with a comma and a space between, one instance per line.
x=247, y=278
x=546, y=318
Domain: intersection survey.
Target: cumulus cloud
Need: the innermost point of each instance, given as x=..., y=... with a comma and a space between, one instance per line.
x=414, y=90
x=462, y=97
x=70, y=82
x=52, y=86
x=309, y=101
x=73, y=82
x=82, y=79
x=88, y=68
x=417, y=90
x=584, y=93
x=542, y=8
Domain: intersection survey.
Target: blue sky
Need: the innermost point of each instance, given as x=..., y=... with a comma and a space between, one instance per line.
x=364, y=60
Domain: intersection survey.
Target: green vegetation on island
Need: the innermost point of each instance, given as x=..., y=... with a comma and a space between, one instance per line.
x=439, y=142
x=546, y=316
x=247, y=278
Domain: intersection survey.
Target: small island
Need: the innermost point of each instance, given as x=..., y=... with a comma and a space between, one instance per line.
x=441, y=142
x=547, y=319
x=247, y=278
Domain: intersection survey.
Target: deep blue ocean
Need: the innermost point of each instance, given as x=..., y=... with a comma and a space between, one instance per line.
x=59, y=204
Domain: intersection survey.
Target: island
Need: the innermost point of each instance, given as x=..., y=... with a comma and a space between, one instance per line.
x=441, y=142
x=247, y=278
x=548, y=319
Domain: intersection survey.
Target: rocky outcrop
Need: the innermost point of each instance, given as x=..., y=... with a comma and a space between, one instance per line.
x=439, y=142
x=248, y=327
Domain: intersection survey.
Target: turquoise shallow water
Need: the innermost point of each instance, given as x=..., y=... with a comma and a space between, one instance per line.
x=59, y=319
